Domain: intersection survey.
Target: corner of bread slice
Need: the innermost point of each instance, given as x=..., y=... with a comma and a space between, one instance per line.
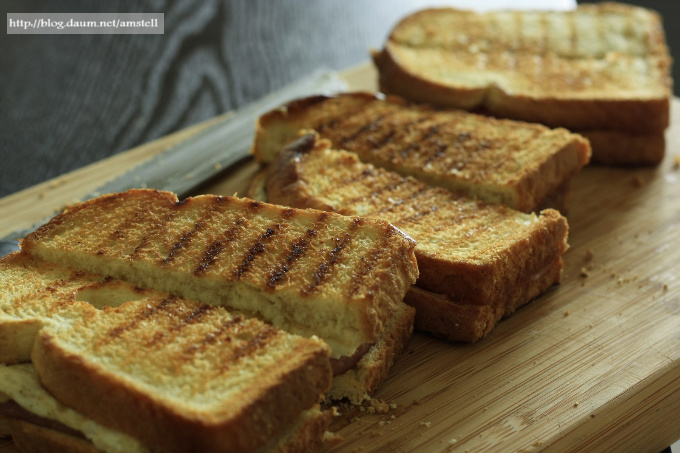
x=307, y=272
x=182, y=376
x=34, y=294
x=415, y=74
x=38, y=293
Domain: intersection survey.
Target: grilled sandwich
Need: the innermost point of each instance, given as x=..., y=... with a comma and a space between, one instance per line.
x=154, y=373
x=601, y=68
x=525, y=166
x=340, y=278
x=478, y=262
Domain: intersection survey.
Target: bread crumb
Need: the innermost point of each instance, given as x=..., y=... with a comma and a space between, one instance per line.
x=452, y=441
x=584, y=272
x=417, y=402
x=638, y=181
x=665, y=287
x=379, y=407
x=426, y=424
x=218, y=166
x=355, y=419
x=567, y=312
x=393, y=405
x=676, y=162
x=538, y=443
x=576, y=403
x=592, y=415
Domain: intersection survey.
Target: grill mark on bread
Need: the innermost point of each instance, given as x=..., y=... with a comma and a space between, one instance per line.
x=414, y=195
x=165, y=336
x=254, y=250
x=375, y=193
x=155, y=231
x=299, y=248
x=146, y=313
x=50, y=288
x=426, y=134
x=257, y=342
x=125, y=226
x=227, y=327
x=326, y=266
x=417, y=217
x=187, y=235
x=336, y=121
x=367, y=264
x=214, y=248
x=374, y=124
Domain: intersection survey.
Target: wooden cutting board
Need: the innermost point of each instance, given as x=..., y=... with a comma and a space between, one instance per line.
x=593, y=365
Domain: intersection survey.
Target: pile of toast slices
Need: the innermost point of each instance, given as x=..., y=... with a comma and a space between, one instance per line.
x=138, y=322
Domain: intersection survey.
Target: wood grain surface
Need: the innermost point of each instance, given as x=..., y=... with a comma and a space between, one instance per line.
x=593, y=365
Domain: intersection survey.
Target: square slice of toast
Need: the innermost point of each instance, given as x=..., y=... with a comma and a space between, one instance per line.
x=525, y=166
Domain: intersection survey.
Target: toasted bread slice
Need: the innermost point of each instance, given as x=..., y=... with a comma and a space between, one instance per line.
x=207, y=380
x=474, y=253
x=307, y=272
x=43, y=424
x=518, y=164
x=34, y=293
x=603, y=67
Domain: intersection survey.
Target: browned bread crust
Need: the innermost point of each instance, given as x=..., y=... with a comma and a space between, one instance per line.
x=579, y=69
x=307, y=435
x=184, y=393
x=475, y=254
x=519, y=164
x=443, y=317
x=30, y=438
x=309, y=272
x=624, y=148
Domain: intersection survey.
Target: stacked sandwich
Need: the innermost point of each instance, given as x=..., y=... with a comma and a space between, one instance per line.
x=136, y=322
x=601, y=70
x=467, y=188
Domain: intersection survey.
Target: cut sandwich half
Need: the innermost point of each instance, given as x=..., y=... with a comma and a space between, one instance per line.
x=478, y=262
x=525, y=166
x=308, y=272
x=155, y=373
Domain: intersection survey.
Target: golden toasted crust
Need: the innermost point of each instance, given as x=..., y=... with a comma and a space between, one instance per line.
x=30, y=438
x=442, y=316
x=183, y=393
x=307, y=435
x=518, y=164
x=623, y=148
x=600, y=67
x=474, y=253
x=308, y=272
